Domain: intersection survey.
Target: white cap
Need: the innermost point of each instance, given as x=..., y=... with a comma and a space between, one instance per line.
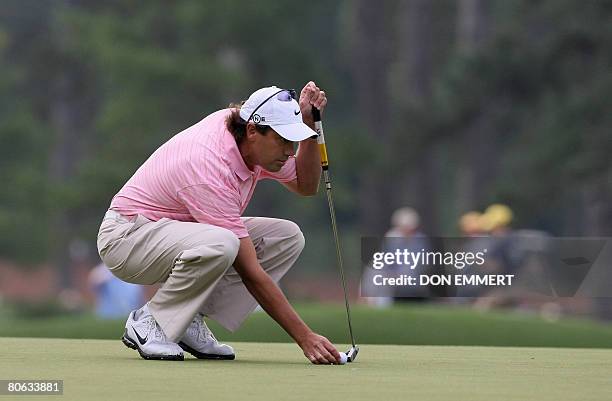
x=282, y=116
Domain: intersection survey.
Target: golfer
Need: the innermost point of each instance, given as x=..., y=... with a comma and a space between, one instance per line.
x=177, y=221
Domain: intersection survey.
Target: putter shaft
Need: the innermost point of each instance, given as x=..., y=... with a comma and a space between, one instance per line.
x=352, y=353
x=332, y=213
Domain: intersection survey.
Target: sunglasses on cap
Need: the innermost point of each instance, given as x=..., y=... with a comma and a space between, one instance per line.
x=283, y=95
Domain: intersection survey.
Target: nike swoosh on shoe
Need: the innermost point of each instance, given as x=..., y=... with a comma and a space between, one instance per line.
x=141, y=340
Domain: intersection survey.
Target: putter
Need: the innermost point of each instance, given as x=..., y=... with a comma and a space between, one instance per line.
x=351, y=353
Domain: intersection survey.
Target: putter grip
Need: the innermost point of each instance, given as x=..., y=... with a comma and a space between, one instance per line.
x=316, y=114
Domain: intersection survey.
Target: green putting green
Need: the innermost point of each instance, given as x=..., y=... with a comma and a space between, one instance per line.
x=401, y=325
x=106, y=370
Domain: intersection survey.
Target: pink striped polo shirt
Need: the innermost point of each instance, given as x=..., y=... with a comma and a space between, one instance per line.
x=198, y=176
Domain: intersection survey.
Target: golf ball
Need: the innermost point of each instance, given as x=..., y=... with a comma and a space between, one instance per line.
x=343, y=358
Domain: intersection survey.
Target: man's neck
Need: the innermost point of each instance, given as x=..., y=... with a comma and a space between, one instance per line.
x=246, y=153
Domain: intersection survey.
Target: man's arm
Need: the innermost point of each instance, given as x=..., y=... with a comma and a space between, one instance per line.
x=308, y=159
x=308, y=169
x=316, y=348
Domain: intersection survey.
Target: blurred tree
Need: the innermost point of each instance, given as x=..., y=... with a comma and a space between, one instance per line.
x=162, y=69
x=24, y=134
x=442, y=105
x=540, y=82
x=478, y=140
x=412, y=84
x=372, y=52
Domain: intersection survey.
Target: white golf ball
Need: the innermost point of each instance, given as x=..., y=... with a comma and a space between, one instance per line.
x=343, y=358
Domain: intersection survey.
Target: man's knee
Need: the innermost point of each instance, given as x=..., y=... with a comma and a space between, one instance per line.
x=223, y=250
x=231, y=245
x=292, y=232
x=227, y=243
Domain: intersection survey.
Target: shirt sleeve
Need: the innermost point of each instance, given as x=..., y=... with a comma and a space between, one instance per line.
x=214, y=205
x=286, y=174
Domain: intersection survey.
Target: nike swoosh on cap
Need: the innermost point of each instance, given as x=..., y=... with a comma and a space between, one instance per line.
x=297, y=112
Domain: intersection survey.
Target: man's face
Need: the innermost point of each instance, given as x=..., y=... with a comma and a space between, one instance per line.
x=271, y=151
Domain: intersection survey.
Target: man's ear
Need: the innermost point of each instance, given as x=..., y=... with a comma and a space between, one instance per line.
x=250, y=131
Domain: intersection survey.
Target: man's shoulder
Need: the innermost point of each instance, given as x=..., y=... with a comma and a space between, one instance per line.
x=210, y=132
x=216, y=145
x=201, y=152
x=217, y=118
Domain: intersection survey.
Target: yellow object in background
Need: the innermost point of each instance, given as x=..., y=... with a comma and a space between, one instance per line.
x=496, y=216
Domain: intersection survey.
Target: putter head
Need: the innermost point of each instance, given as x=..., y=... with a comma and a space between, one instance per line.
x=351, y=354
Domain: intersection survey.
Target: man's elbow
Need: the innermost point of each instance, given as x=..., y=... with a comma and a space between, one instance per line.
x=308, y=191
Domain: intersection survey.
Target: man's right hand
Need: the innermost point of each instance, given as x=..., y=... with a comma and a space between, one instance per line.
x=319, y=350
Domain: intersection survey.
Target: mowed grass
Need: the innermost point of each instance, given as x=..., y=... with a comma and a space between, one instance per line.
x=106, y=370
x=404, y=324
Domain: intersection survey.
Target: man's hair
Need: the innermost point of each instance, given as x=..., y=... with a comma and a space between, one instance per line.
x=237, y=126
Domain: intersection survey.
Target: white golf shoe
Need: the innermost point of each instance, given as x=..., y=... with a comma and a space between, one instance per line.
x=143, y=334
x=200, y=342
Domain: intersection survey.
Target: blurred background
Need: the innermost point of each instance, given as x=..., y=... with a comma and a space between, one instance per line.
x=445, y=107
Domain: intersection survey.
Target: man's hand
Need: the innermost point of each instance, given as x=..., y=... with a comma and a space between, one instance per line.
x=265, y=291
x=319, y=350
x=311, y=95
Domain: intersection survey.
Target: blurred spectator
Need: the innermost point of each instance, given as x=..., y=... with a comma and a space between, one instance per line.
x=471, y=224
x=496, y=219
x=114, y=298
x=404, y=223
x=405, y=234
x=518, y=252
x=475, y=239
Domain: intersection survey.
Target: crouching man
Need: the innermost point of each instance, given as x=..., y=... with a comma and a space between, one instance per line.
x=177, y=221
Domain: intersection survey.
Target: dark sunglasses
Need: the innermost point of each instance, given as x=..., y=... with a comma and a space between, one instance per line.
x=283, y=95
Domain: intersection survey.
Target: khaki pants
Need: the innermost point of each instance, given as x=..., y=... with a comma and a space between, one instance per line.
x=194, y=261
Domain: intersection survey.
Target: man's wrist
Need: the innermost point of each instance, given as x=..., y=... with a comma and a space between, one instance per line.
x=303, y=334
x=309, y=122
